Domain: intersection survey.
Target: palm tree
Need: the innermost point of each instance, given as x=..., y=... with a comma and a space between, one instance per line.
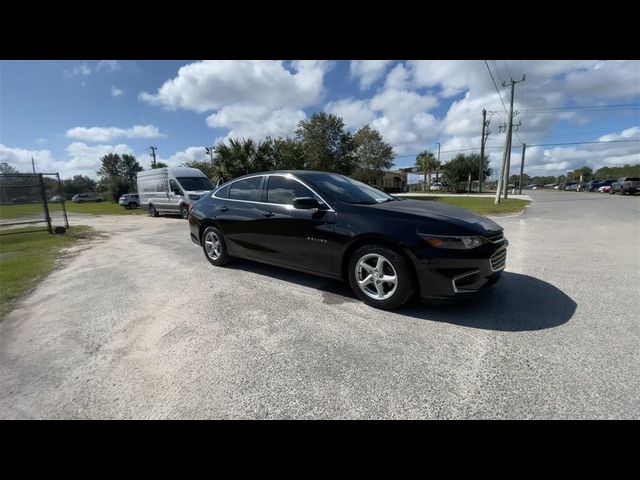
x=427, y=162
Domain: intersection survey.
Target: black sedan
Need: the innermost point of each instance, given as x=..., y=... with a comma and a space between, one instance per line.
x=387, y=248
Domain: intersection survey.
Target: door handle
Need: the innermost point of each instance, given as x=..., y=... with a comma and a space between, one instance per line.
x=224, y=208
x=268, y=214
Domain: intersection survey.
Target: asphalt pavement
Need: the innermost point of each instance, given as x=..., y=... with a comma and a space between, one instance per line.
x=135, y=323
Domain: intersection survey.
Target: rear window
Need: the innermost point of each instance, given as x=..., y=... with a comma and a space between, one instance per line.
x=633, y=179
x=248, y=190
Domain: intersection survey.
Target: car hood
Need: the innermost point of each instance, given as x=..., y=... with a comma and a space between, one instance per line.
x=442, y=212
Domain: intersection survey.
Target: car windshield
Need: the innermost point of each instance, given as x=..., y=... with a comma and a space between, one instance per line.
x=351, y=191
x=195, y=183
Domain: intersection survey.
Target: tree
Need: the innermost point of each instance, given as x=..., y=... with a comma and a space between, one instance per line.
x=282, y=154
x=6, y=168
x=111, y=166
x=159, y=165
x=372, y=153
x=118, y=174
x=427, y=162
x=205, y=167
x=130, y=167
x=582, y=174
x=458, y=169
x=326, y=144
x=78, y=184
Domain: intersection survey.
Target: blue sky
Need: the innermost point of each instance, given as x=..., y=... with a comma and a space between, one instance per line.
x=66, y=114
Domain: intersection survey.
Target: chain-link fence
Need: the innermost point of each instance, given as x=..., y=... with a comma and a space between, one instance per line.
x=32, y=202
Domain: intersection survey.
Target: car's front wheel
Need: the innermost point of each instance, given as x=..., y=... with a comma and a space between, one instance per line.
x=184, y=211
x=152, y=211
x=380, y=277
x=214, y=247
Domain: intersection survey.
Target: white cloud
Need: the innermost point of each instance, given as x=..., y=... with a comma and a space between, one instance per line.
x=368, y=71
x=629, y=133
x=115, y=91
x=81, y=159
x=82, y=69
x=20, y=158
x=256, y=122
x=41, y=140
x=190, y=154
x=214, y=84
x=398, y=78
x=106, y=134
x=355, y=113
x=110, y=65
x=85, y=159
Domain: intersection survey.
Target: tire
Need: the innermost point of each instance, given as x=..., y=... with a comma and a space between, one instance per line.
x=365, y=262
x=152, y=211
x=184, y=211
x=131, y=206
x=214, y=247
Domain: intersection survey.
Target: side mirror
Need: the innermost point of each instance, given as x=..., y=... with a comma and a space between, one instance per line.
x=306, y=203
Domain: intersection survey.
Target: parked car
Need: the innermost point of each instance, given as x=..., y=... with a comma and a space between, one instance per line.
x=56, y=198
x=130, y=200
x=19, y=200
x=388, y=249
x=572, y=187
x=604, y=183
x=623, y=185
x=605, y=189
x=87, y=197
x=593, y=185
x=567, y=185
x=436, y=186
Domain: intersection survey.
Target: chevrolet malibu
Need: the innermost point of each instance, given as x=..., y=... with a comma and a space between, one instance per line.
x=389, y=249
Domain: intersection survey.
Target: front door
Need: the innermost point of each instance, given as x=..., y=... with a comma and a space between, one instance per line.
x=298, y=238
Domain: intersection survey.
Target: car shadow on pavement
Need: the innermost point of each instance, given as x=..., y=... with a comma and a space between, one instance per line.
x=516, y=303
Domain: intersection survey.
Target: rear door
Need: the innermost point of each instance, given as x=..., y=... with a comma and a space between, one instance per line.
x=238, y=216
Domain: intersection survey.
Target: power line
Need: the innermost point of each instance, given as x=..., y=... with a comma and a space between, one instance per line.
x=508, y=71
x=581, y=143
x=497, y=89
x=528, y=145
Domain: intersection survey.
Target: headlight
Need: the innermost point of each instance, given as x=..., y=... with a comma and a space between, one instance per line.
x=194, y=197
x=456, y=243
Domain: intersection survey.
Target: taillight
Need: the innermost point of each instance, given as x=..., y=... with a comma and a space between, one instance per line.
x=190, y=208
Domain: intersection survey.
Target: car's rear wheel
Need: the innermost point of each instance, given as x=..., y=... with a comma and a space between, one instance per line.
x=152, y=211
x=214, y=247
x=184, y=211
x=380, y=277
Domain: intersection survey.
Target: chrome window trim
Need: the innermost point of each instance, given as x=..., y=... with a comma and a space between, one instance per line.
x=286, y=175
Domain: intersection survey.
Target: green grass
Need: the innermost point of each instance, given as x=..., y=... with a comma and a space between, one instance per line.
x=26, y=258
x=101, y=208
x=480, y=205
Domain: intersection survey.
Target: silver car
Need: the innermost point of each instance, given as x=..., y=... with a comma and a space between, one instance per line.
x=87, y=197
x=130, y=200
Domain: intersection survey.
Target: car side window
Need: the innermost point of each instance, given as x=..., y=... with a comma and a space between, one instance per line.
x=283, y=190
x=222, y=192
x=248, y=189
x=175, y=187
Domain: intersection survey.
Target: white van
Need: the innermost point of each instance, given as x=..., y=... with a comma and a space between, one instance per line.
x=171, y=190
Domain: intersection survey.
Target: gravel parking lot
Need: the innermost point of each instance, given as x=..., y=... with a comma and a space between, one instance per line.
x=137, y=324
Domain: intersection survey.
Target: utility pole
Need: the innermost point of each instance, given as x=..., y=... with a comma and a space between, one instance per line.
x=153, y=154
x=508, y=170
x=33, y=165
x=524, y=149
x=507, y=144
x=483, y=140
x=209, y=151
